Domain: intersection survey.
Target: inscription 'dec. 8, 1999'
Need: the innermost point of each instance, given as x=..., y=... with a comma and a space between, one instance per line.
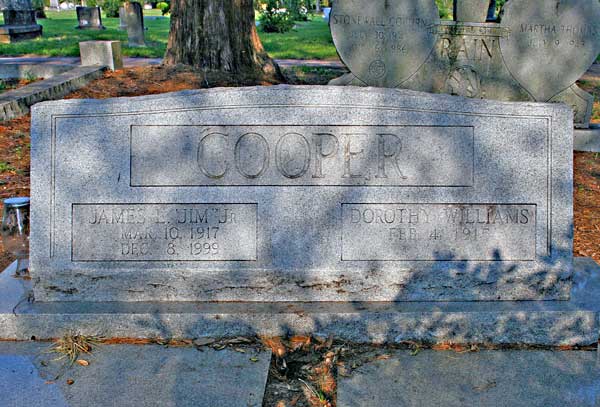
x=301, y=155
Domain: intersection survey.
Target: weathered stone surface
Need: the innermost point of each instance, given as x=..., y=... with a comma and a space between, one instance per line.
x=471, y=11
x=126, y=375
x=484, y=379
x=281, y=176
x=16, y=5
x=15, y=103
x=383, y=43
x=587, y=140
x=134, y=20
x=89, y=18
x=102, y=53
x=545, y=35
x=554, y=323
x=519, y=59
x=122, y=21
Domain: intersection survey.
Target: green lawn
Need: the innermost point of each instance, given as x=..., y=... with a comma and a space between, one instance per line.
x=61, y=38
x=309, y=40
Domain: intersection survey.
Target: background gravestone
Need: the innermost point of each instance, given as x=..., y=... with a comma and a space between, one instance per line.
x=122, y=22
x=89, y=18
x=551, y=44
x=520, y=58
x=19, y=21
x=134, y=20
x=383, y=43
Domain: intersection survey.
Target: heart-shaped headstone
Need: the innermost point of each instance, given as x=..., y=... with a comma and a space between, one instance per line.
x=551, y=43
x=383, y=42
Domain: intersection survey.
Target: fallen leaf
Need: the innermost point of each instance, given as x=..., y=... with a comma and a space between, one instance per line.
x=298, y=342
x=70, y=381
x=276, y=346
x=82, y=362
x=254, y=360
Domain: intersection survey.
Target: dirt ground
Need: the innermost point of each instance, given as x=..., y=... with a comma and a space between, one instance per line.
x=15, y=142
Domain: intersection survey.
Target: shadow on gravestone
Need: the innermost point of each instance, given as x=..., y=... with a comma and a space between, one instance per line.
x=89, y=18
x=296, y=238
x=519, y=58
x=134, y=21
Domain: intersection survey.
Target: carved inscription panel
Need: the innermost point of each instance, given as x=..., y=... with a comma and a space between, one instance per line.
x=438, y=232
x=163, y=156
x=164, y=232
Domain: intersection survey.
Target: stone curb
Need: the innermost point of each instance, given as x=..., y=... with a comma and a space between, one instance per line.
x=587, y=140
x=16, y=103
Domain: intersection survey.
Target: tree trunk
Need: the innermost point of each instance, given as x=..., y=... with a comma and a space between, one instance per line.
x=318, y=6
x=217, y=35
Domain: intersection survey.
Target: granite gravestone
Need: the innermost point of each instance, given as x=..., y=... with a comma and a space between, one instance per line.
x=383, y=43
x=19, y=21
x=301, y=194
x=134, y=20
x=89, y=18
x=520, y=58
x=122, y=21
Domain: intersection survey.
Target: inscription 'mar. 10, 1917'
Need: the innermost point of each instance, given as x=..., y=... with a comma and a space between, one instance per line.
x=302, y=155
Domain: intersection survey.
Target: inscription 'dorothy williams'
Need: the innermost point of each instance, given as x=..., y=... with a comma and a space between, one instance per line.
x=164, y=232
x=438, y=232
x=302, y=155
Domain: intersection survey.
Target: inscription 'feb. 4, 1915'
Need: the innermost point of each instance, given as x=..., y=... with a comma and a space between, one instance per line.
x=439, y=232
x=302, y=155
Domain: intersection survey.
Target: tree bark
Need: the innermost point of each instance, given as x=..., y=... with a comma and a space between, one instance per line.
x=217, y=35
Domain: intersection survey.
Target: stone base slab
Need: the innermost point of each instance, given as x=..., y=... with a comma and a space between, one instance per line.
x=547, y=323
x=15, y=33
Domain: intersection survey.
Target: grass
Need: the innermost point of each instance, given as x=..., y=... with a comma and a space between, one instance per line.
x=61, y=38
x=71, y=345
x=308, y=40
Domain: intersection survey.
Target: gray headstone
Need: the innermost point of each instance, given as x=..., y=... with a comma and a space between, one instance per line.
x=122, y=22
x=472, y=11
x=89, y=18
x=551, y=43
x=383, y=43
x=55, y=4
x=103, y=53
x=134, y=19
x=323, y=194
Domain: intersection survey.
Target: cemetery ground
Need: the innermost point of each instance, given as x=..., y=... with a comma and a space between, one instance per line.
x=308, y=40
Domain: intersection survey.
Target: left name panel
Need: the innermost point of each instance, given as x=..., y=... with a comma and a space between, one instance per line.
x=164, y=232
